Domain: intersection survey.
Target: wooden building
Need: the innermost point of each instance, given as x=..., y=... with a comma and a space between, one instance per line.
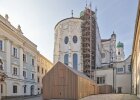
x=63, y=82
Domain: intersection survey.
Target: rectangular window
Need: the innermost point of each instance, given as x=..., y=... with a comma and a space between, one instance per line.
x=1, y=44
x=25, y=88
x=33, y=62
x=129, y=68
x=42, y=70
x=24, y=74
x=14, y=89
x=15, y=54
x=24, y=57
x=1, y=65
x=1, y=88
x=37, y=68
x=15, y=71
x=101, y=80
x=32, y=76
x=38, y=80
x=119, y=69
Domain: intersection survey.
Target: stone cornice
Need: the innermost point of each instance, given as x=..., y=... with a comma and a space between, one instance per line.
x=11, y=30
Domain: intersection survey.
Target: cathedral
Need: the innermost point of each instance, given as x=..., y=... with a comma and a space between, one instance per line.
x=79, y=45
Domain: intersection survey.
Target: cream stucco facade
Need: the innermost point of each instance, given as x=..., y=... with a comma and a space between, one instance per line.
x=43, y=66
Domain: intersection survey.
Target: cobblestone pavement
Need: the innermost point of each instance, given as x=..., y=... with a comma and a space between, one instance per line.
x=111, y=97
x=94, y=97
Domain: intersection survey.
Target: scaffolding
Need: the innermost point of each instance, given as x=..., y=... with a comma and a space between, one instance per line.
x=89, y=42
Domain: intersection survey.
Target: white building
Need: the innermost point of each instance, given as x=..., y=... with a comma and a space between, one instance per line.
x=74, y=47
x=118, y=76
x=108, y=50
x=19, y=61
x=68, y=46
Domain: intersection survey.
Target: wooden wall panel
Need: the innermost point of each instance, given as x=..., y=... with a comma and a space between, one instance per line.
x=63, y=83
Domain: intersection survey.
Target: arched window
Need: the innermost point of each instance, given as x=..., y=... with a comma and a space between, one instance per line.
x=75, y=61
x=66, y=40
x=75, y=39
x=66, y=57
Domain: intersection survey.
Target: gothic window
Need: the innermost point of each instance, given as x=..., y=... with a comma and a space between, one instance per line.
x=75, y=61
x=66, y=40
x=66, y=56
x=74, y=39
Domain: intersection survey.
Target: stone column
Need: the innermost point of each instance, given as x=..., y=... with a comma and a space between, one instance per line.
x=8, y=58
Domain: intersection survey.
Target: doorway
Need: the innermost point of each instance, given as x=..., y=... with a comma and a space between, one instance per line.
x=119, y=89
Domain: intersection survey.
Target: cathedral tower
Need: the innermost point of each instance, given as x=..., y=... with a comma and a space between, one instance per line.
x=120, y=52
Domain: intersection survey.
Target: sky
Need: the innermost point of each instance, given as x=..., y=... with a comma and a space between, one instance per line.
x=38, y=18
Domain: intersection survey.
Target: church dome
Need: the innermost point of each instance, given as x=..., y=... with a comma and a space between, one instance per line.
x=120, y=45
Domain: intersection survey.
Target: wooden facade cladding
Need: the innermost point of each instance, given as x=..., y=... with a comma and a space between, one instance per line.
x=63, y=82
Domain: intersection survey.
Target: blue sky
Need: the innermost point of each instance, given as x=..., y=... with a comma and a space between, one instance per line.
x=39, y=17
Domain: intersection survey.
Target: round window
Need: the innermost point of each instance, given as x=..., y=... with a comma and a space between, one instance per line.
x=66, y=40
x=75, y=39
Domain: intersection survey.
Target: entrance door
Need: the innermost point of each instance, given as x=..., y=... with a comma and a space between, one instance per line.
x=61, y=92
x=119, y=89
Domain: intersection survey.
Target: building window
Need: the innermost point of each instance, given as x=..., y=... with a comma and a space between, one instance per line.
x=14, y=89
x=37, y=68
x=42, y=70
x=1, y=65
x=32, y=76
x=119, y=69
x=103, y=55
x=38, y=79
x=101, y=80
x=24, y=74
x=74, y=39
x=66, y=57
x=75, y=61
x=24, y=57
x=15, y=71
x=1, y=88
x=129, y=68
x=1, y=45
x=33, y=62
x=118, y=53
x=66, y=40
x=25, y=86
x=15, y=54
